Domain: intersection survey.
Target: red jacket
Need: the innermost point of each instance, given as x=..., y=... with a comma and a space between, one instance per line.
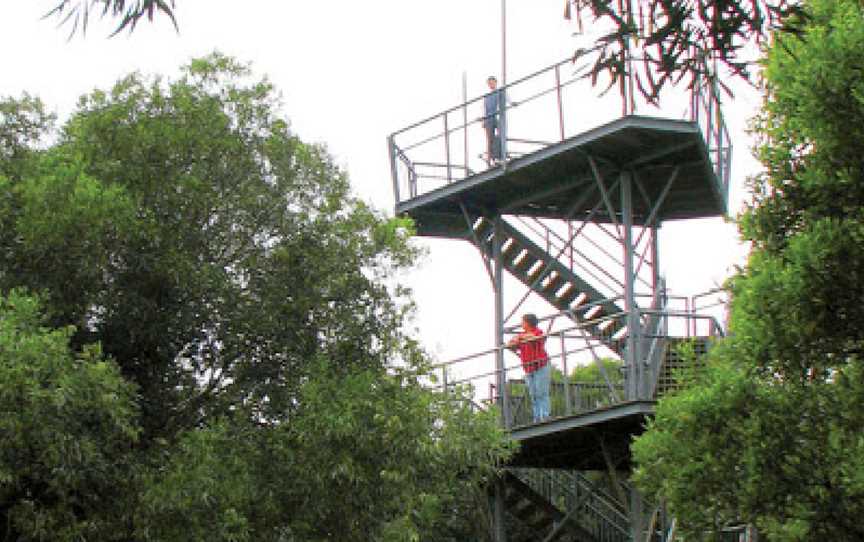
x=532, y=352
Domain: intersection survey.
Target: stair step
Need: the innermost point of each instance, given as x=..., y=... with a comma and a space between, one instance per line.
x=511, y=249
x=522, y=267
x=551, y=279
x=553, y=285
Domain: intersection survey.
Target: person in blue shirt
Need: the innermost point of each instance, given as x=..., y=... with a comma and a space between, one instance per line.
x=492, y=120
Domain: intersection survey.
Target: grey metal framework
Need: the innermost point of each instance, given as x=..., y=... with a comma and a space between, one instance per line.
x=572, y=214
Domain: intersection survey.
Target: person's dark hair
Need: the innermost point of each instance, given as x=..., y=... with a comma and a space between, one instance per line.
x=531, y=319
x=492, y=78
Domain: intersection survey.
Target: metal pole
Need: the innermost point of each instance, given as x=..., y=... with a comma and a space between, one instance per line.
x=637, y=515
x=447, y=149
x=497, y=241
x=391, y=147
x=560, y=105
x=465, y=118
x=503, y=43
x=655, y=261
x=499, y=534
x=633, y=327
x=502, y=102
x=567, y=409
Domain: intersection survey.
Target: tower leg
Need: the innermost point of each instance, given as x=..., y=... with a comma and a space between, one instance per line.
x=499, y=532
x=632, y=359
x=501, y=377
x=637, y=516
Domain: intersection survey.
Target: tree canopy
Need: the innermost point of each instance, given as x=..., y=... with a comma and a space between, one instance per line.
x=214, y=312
x=770, y=434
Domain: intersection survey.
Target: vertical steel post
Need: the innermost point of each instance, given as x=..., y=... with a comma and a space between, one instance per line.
x=567, y=409
x=499, y=531
x=391, y=147
x=655, y=261
x=718, y=170
x=710, y=118
x=501, y=376
x=502, y=102
x=447, y=149
x=465, y=119
x=560, y=105
x=632, y=359
x=637, y=515
x=503, y=43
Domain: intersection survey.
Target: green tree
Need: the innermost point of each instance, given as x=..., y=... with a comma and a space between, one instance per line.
x=67, y=422
x=367, y=457
x=771, y=433
x=246, y=295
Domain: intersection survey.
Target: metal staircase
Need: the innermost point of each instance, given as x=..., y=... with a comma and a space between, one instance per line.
x=565, y=506
x=544, y=274
x=544, y=520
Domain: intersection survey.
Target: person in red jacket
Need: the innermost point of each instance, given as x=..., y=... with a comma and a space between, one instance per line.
x=531, y=347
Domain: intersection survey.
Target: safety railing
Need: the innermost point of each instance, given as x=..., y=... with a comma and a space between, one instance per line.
x=539, y=110
x=589, y=505
x=592, y=251
x=569, y=346
x=706, y=111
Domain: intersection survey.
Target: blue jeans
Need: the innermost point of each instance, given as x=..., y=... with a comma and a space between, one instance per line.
x=538, y=389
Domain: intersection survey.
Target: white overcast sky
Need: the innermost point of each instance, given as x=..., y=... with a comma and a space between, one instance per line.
x=350, y=73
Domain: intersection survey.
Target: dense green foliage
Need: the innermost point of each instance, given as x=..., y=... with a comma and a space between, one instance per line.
x=217, y=273
x=67, y=424
x=772, y=432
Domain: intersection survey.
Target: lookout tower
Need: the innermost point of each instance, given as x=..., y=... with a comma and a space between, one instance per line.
x=572, y=213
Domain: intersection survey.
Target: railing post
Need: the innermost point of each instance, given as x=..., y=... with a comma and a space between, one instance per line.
x=447, y=149
x=502, y=125
x=567, y=409
x=560, y=105
x=710, y=116
x=465, y=122
x=718, y=123
x=391, y=147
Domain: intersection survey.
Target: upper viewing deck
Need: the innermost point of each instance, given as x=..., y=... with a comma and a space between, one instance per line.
x=560, y=140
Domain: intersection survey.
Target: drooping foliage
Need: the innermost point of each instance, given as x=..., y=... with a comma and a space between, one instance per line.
x=771, y=434
x=646, y=46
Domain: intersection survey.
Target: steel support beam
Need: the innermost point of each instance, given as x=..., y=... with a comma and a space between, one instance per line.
x=499, y=530
x=599, y=180
x=477, y=242
x=637, y=515
x=501, y=376
x=632, y=357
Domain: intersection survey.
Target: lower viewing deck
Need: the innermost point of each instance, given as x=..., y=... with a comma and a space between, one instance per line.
x=594, y=440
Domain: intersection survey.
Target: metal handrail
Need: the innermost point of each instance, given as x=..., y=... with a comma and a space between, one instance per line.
x=569, y=397
x=704, y=110
x=555, y=485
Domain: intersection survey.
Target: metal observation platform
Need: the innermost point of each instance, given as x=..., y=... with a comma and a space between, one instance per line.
x=571, y=213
